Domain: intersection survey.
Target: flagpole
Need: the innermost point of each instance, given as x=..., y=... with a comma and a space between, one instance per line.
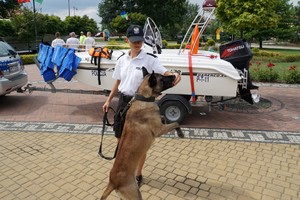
x=35, y=29
x=69, y=7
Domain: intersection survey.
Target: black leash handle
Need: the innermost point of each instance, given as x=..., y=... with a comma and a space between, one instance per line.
x=106, y=122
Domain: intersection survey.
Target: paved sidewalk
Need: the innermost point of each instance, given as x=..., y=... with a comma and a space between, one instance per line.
x=41, y=165
x=49, y=144
x=283, y=115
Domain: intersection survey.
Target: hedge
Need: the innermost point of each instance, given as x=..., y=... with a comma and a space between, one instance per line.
x=28, y=58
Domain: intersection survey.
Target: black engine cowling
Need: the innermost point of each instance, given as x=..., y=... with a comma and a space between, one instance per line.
x=238, y=53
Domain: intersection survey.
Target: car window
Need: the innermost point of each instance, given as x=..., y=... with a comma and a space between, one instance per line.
x=6, y=49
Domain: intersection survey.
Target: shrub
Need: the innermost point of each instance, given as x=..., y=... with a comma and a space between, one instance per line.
x=28, y=58
x=211, y=42
x=113, y=44
x=174, y=46
x=255, y=50
x=292, y=76
x=264, y=74
x=164, y=43
x=274, y=56
x=290, y=58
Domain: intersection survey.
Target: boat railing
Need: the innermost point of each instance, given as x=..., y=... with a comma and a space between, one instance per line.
x=152, y=36
x=201, y=20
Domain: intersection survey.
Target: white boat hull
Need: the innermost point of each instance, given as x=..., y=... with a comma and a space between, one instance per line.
x=211, y=75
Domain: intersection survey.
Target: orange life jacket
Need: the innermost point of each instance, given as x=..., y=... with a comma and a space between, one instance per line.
x=97, y=51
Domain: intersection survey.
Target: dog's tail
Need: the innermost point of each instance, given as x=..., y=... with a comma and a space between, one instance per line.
x=107, y=191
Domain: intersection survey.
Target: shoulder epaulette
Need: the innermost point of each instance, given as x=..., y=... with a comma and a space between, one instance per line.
x=152, y=55
x=121, y=55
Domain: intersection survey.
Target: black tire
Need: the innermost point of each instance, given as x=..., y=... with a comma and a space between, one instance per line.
x=173, y=111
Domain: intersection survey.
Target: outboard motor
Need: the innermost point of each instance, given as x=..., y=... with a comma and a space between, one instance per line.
x=238, y=53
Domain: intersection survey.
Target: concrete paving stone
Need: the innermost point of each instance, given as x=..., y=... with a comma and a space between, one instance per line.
x=192, y=183
x=181, y=194
x=204, y=187
x=170, y=182
x=267, y=194
x=174, y=197
x=256, y=158
x=229, y=194
x=248, y=186
x=203, y=194
x=258, y=189
x=292, y=193
x=215, y=196
x=193, y=191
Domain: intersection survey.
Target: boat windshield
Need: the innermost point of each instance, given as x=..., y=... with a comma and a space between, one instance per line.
x=152, y=36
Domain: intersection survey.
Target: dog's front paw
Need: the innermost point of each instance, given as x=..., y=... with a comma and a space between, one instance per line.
x=179, y=132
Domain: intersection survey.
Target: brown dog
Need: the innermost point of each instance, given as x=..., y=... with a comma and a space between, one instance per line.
x=143, y=123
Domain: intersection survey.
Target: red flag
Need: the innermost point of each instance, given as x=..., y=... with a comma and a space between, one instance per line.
x=23, y=1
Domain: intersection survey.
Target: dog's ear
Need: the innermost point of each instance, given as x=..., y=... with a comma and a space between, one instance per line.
x=152, y=80
x=145, y=72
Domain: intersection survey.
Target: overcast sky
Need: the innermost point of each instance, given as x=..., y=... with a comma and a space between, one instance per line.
x=79, y=7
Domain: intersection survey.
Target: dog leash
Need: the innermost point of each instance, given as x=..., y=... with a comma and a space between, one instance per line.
x=106, y=122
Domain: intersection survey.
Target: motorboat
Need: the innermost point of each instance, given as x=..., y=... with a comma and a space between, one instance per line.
x=204, y=73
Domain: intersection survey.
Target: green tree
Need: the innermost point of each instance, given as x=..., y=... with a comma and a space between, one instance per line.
x=189, y=16
x=247, y=15
x=120, y=25
x=108, y=10
x=50, y=24
x=297, y=23
x=164, y=13
x=24, y=26
x=285, y=29
x=167, y=14
x=89, y=24
x=77, y=24
x=6, y=27
x=8, y=8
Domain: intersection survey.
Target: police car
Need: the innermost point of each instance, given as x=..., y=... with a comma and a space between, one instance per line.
x=12, y=74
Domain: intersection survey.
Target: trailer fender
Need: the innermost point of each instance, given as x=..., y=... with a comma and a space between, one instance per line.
x=174, y=107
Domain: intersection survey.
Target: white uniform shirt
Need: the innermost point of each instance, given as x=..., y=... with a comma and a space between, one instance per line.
x=89, y=42
x=72, y=42
x=129, y=71
x=57, y=41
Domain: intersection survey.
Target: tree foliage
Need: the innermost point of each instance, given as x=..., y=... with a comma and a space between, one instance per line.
x=50, y=24
x=244, y=15
x=6, y=27
x=21, y=25
x=120, y=24
x=77, y=24
x=167, y=14
x=24, y=25
x=285, y=28
x=297, y=24
x=258, y=19
x=8, y=8
x=189, y=16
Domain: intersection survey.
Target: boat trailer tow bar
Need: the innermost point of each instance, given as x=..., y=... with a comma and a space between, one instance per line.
x=30, y=88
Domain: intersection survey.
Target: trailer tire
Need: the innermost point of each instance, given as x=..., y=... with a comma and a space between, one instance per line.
x=173, y=111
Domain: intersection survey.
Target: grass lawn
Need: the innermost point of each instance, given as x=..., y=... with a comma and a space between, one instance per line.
x=284, y=51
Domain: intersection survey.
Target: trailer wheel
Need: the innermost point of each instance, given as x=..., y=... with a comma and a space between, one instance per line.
x=173, y=111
